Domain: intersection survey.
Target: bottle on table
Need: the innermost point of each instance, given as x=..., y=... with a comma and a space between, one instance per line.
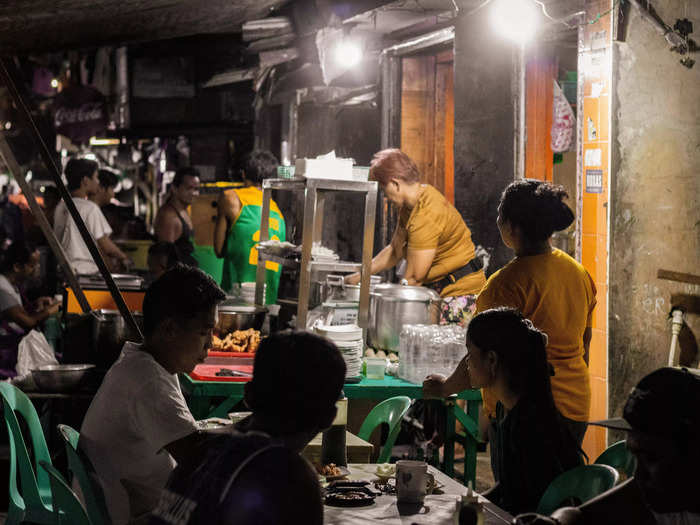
x=333, y=448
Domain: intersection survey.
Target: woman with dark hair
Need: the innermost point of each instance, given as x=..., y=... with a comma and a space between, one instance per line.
x=550, y=288
x=531, y=443
x=431, y=235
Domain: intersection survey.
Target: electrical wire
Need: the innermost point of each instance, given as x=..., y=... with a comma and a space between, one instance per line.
x=601, y=15
x=543, y=6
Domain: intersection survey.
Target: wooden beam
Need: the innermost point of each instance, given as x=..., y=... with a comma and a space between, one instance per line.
x=52, y=25
x=678, y=277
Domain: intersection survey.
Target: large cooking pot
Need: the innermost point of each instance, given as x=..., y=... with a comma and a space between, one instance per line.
x=239, y=317
x=335, y=290
x=391, y=306
x=109, y=333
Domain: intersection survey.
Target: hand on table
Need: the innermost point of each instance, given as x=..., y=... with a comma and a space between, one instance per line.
x=434, y=386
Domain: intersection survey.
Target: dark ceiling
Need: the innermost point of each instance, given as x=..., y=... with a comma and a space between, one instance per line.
x=28, y=26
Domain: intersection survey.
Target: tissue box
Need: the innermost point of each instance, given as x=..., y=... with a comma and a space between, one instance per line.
x=324, y=168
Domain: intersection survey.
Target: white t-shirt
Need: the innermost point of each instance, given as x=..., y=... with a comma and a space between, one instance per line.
x=138, y=410
x=9, y=297
x=69, y=236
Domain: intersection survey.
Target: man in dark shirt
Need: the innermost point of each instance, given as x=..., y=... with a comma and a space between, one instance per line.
x=254, y=475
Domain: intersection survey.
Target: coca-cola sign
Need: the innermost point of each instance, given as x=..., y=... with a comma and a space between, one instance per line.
x=80, y=113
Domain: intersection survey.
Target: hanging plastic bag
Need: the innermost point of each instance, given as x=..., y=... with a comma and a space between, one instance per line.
x=34, y=351
x=563, y=122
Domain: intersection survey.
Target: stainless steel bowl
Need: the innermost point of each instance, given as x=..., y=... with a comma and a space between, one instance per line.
x=60, y=378
x=239, y=318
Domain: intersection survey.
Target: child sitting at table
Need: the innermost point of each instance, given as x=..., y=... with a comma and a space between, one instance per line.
x=255, y=475
x=530, y=442
x=138, y=426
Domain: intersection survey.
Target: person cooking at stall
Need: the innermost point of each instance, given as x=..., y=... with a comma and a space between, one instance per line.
x=237, y=230
x=81, y=175
x=550, y=288
x=19, y=263
x=431, y=235
x=173, y=223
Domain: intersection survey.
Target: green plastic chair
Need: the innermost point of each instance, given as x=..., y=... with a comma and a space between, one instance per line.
x=67, y=506
x=580, y=484
x=619, y=457
x=81, y=467
x=389, y=411
x=33, y=504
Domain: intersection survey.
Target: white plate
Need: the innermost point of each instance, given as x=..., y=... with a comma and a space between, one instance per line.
x=340, y=332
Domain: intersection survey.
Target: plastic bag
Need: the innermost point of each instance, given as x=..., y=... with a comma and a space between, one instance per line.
x=34, y=351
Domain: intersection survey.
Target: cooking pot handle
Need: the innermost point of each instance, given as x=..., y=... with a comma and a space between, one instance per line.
x=336, y=280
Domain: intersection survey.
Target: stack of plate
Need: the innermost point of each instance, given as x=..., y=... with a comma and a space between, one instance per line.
x=348, y=339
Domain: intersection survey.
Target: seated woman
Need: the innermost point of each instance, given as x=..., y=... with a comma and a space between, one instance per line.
x=531, y=444
x=20, y=262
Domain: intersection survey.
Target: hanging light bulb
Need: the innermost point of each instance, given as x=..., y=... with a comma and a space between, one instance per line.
x=348, y=53
x=515, y=19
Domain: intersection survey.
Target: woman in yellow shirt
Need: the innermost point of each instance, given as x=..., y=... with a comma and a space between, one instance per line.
x=431, y=235
x=550, y=288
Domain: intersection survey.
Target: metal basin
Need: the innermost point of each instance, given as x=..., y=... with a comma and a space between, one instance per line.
x=61, y=378
x=233, y=318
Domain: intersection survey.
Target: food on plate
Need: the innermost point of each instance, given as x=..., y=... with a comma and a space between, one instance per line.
x=369, y=352
x=393, y=357
x=329, y=471
x=380, y=354
x=238, y=341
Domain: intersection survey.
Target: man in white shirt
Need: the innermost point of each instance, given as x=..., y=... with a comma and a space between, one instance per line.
x=82, y=183
x=138, y=426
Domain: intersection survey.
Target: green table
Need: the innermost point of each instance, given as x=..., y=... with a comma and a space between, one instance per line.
x=217, y=399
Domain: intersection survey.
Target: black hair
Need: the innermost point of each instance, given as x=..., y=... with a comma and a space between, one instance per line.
x=107, y=178
x=181, y=173
x=537, y=208
x=19, y=252
x=51, y=192
x=259, y=165
x=522, y=359
x=181, y=293
x=77, y=169
x=167, y=250
x=296, y=369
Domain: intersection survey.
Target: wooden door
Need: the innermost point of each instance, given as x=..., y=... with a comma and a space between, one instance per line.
x=427, y=117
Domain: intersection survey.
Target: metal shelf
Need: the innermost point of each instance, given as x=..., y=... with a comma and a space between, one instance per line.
x=320, y=266
x=315, y=192
x=299, y=184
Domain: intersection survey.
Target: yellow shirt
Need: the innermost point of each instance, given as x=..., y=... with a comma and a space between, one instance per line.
x=434, y=223
x=558, y=295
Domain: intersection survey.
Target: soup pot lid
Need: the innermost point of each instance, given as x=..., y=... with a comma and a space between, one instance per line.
x=405, y=293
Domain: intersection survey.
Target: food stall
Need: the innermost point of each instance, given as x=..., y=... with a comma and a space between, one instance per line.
x=381, y=310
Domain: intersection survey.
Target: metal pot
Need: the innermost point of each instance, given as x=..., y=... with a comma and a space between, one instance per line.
x=335, y=289
x=109, y=333
x=61, y=378
x=233, y=317
x=391, y=306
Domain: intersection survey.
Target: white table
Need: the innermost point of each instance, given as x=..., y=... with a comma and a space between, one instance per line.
x=437, y=509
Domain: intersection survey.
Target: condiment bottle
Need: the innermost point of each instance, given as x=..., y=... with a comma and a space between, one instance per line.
x=470, y=510
x=333, y=440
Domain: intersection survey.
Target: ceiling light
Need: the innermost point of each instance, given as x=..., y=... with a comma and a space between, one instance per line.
x=347, y=53
x=515, y=19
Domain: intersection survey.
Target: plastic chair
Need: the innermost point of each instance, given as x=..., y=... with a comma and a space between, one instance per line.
x=389, y=411
x=67, y=506
x=34, y=502
x=81, y=467
x=620, y=458
x=580, y=484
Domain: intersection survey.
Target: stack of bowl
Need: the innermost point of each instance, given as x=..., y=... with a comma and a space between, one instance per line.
x=348, y=339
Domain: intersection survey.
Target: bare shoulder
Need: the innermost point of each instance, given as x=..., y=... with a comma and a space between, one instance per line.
x=229, y=202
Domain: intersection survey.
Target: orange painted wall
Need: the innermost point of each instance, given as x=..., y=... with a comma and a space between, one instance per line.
x=540, y=72
x=595, y=77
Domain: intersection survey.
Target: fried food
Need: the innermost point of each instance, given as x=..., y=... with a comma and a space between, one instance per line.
x=238, y=341
x=329, y=471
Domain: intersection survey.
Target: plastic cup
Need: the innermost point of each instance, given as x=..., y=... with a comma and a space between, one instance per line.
x=376, y=367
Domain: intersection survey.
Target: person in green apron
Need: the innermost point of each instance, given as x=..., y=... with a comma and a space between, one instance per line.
x=237, y=229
